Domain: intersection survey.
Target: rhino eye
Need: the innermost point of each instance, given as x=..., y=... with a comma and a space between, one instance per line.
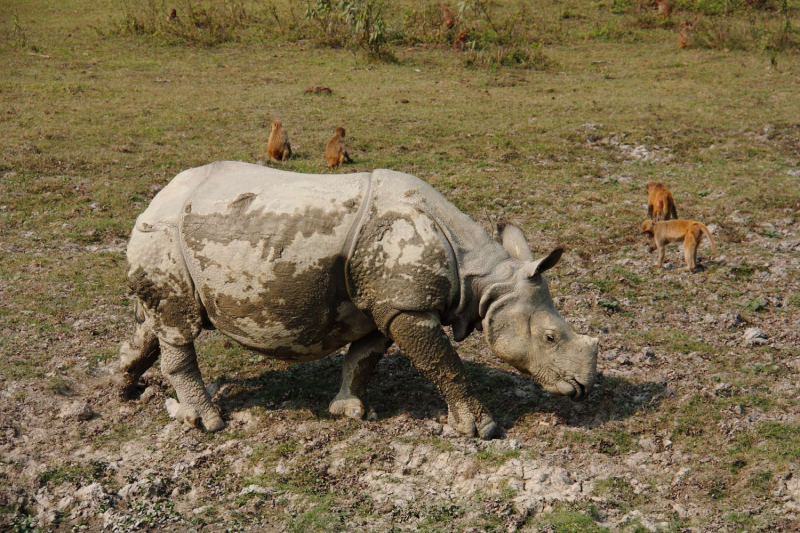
x=551, y=337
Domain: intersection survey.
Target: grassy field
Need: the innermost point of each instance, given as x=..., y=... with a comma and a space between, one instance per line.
x=690, y=429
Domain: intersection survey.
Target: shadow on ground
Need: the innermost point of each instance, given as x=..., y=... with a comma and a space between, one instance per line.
x=397, y=388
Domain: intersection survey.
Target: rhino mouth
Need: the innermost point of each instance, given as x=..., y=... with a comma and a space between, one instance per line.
x=573, y=388
x=580, y=390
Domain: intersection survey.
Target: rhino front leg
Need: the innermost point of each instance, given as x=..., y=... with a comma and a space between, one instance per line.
x=179, y=364
x=421, y=337
x=359, y=364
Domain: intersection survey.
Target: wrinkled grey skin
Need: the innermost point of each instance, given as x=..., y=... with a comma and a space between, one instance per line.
x=297, y=266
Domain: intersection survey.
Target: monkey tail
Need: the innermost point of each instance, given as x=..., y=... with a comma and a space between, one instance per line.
x=347, y=158
x=674, y=212
x=705, y=230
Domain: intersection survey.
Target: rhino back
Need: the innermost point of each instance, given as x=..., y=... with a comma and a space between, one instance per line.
x=266, y=250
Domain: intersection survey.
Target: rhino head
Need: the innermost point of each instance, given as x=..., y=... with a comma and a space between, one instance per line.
x=524, y=329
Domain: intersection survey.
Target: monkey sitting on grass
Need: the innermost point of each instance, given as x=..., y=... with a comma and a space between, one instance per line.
x=687, y=231
x=336, y=150
x=278, y=147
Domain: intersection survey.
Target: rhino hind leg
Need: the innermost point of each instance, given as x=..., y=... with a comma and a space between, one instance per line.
x=359, y=364
x=421, y=338
x=179, y=364
x=136, y=357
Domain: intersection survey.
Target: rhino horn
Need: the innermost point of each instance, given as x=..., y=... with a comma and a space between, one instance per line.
x=536, y=267
x=514, y=241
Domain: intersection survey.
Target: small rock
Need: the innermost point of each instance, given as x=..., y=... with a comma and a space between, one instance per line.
x=680, y=475
x=50, y=516
x=243, y=417
x=755, y=337
x=79, y=410
x=94, y=493
x=65, y=503
x=128, y=490
x=434, y=427
x=648, y=444
x=80, y=324
x=255, y=489
x=680, y=510
x=148, y=394
x=201, y=510
x=638, y=458
x=449, y=432
x=722, y=389
x=172, y=406
x=156, y=487
x=733, y=320
x=609, y=355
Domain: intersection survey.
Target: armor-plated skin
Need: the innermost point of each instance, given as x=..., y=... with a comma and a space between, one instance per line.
x=297, y=266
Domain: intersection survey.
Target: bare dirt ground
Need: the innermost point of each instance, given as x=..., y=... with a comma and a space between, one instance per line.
x=694, y=424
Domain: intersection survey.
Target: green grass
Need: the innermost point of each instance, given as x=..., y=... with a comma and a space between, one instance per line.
x=75, y=473
x=564, y=520
x=496, y=457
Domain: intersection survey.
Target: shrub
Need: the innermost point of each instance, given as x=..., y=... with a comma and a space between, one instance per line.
x=207, y=23
x=357, y=22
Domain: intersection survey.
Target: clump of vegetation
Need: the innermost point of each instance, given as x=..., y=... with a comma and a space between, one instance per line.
x=206, y=23
x=488, y=36
x=755, y=31
x=358, y=23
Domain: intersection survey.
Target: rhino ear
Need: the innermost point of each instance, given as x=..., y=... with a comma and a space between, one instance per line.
x=514, y=241
x=535, y=268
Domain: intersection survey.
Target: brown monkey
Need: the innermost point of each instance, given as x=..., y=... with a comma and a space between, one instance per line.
x=461, y=40
x=336, y=151
x=278, y=146
x=660, y=204
x=173, y=14
x=448, y=20
x=688, y=231
x=663, y=8
x=686, y=32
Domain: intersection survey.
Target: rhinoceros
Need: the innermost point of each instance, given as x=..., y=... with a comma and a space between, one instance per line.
x=298, y=266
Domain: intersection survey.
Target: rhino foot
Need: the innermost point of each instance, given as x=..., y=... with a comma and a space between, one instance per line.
x=187, y=414
x=462, y=420
x=351, y=407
